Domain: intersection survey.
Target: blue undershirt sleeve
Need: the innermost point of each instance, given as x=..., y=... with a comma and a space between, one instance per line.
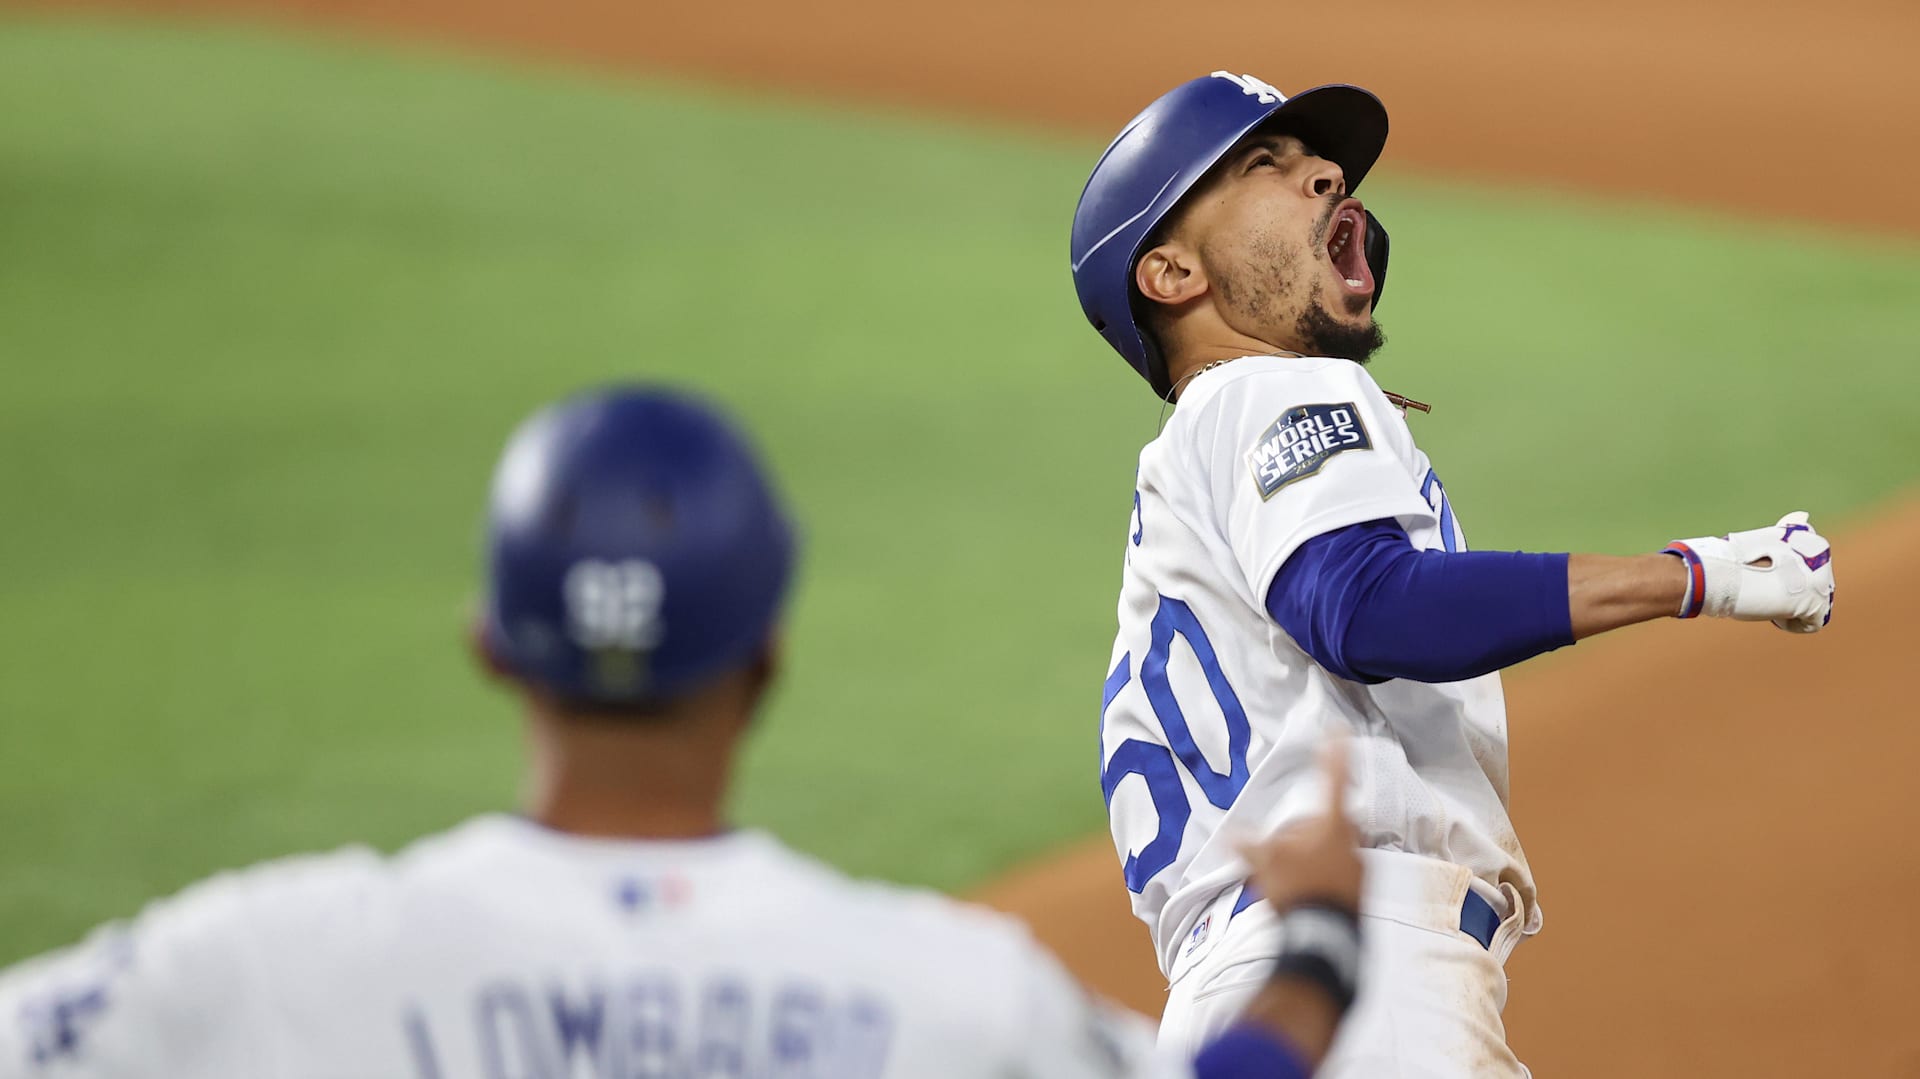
x=1368, y=606
x=1248, y=1052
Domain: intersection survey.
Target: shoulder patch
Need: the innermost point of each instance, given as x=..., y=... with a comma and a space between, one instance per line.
x=1304, y=438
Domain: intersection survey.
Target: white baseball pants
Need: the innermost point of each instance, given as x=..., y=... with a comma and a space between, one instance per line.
x=1430, y=995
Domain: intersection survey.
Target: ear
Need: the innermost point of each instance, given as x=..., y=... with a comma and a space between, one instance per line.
x=495, y=666
x=767, y=666
x=1170, y=274
x=761, y=673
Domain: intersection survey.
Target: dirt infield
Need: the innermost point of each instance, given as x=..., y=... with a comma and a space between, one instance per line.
x=1718, y=814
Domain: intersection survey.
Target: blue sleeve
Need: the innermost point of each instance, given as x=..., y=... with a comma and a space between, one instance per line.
x=1247, y=1052
x=1369, y=606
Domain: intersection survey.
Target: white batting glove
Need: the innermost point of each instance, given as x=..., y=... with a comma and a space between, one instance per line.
x=1782, y=574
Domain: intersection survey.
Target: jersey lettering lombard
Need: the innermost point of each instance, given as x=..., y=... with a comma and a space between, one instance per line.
x=503, y=950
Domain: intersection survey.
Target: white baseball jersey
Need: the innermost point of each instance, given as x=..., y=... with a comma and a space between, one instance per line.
x=1212, y=716
x=502, y=950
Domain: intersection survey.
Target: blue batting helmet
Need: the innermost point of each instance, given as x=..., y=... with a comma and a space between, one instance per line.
x=635, y=549
x=1163, y=152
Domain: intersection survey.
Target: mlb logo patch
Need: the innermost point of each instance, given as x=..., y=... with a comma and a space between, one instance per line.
x=1199, y=934
x=1302, y=440
x=637, y=894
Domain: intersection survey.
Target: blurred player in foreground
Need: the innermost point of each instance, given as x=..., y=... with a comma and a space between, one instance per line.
x=638, y=566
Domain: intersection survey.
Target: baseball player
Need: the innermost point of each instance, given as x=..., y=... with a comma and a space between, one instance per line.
x=1294, y=566
x=639, y=561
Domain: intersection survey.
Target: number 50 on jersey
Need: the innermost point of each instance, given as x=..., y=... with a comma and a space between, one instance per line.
x=1159, y=765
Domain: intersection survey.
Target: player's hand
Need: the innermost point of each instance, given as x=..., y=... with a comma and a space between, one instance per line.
x=1315, y=860
x=1310, y=873
x=1782, y=574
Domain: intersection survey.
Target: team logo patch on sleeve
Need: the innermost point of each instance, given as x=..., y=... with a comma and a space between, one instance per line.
x=1303, y=439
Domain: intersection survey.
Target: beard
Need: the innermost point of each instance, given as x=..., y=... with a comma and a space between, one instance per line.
x=1323, y=335
x=1256, y=284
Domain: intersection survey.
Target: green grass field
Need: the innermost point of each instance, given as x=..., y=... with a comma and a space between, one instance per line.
x=269, y=305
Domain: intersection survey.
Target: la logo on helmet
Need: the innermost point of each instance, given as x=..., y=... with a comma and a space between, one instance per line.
x=1252, y=87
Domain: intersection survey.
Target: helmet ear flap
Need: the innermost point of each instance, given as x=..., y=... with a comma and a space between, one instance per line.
x=1376, y=251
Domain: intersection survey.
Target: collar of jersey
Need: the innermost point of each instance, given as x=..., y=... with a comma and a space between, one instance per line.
x=720, y=844
x=1212, y=381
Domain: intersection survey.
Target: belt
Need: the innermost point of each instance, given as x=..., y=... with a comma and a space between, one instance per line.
x=1478, y=919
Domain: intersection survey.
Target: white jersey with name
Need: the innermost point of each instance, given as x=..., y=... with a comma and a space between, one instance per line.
x=1212, y=716
x=501, y=950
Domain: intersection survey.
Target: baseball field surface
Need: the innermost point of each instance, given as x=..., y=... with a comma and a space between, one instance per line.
x=279, y=277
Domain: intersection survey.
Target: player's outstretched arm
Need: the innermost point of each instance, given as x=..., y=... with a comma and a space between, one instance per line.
x=1368, y=606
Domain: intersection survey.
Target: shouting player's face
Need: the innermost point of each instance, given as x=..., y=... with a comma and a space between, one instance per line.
x=1281, y=249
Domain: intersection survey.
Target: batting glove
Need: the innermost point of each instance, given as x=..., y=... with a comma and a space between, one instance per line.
x=1782, y=574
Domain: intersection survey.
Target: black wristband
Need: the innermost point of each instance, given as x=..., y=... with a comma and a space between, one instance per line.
x=1320, y=943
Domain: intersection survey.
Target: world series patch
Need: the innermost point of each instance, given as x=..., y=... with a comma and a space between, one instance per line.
x=1303, y=439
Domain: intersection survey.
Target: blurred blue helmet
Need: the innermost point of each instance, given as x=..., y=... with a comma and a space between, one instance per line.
x=635, y=549
x=1163, y=152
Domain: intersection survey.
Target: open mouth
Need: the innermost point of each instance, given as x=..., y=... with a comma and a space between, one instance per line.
x=1346, y=248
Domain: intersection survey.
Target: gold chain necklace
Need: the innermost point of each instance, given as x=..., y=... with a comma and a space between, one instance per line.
x=1197, y=372
x=1401, y=402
